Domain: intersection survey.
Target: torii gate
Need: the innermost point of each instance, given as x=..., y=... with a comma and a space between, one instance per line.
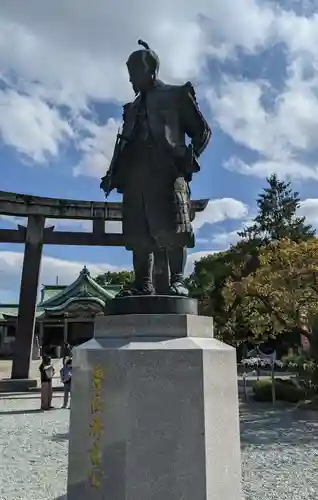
x=37, y=209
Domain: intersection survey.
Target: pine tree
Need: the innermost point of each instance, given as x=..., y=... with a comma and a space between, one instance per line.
x=277, y=217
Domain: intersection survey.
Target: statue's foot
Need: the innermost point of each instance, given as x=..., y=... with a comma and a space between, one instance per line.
x=179, y=289
x=143, y=290
x=125, y=292
x=137, y=290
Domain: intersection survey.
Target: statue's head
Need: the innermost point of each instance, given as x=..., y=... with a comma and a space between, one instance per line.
x=143, y=67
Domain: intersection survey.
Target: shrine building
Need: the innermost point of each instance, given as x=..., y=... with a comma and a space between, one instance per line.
x=65, y=313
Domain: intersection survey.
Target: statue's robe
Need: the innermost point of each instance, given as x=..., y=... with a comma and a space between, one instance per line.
x=150, y=167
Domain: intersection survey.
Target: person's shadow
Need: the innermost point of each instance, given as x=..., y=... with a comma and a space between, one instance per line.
x=60, y=437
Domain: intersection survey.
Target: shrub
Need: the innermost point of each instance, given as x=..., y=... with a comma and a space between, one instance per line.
x=306, y=368
x=299, y=363
x=263, y=390
x=285, y=390
x=262, y=363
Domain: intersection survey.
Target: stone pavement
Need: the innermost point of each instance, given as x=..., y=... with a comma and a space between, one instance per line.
x=6, y=364
x=34, y=447
x=279, y=450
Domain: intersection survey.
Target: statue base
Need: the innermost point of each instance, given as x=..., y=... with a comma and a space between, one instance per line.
x=152, y=304
x=154, y=412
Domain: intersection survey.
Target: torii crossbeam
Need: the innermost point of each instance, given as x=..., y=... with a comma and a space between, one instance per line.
x=37, y=209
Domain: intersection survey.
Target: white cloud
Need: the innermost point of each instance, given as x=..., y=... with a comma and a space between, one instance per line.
x=279, y=135
x=51, y=267
x=69, y=53
x=97, y=148
x=237, y=108
x=278, y=125
x=113, y=226
x=285, y=168
x=219, y=210
x=79, y=48
x=224, y=239
x=309, y=209
x=300, y=31
x=32, y=126
x=12, y=220
x=196, y=256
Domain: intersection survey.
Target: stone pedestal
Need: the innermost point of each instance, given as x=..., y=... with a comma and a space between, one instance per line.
x=154, y=412
x=152, y=304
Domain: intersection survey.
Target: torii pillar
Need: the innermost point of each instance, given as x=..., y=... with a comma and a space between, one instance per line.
x=28, y=297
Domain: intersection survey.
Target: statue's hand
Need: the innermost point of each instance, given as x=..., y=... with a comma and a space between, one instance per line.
x=105, y=185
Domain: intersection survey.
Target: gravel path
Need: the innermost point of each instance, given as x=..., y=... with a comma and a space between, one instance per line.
x=33, y=448
x=279, y=451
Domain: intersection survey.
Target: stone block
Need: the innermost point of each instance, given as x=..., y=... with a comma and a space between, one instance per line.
x=17, y=385
x=154, y=417
x=153, y=325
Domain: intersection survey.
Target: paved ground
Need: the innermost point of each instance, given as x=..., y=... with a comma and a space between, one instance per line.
x=279, y=451
x=33, y=448
x=6, y=364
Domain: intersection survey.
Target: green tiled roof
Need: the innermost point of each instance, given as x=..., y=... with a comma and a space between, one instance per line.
x=8, y=309
x=56, y=297
x=49, y=291
x=75, y=299
x=12, y=310
x=83, y=286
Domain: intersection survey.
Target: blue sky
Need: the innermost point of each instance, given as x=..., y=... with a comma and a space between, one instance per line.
x=63, y=82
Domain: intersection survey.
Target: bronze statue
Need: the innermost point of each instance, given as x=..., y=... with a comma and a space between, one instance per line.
x=152, y=167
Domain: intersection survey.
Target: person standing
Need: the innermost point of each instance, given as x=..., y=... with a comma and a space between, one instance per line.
x=67, y=352
x=47, y=373
x=66, y=379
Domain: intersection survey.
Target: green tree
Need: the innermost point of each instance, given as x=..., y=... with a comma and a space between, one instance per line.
x=207, y=282
x=215, y=277
x=207, y=279
x=115, y=278
x=285, y=286
x=284, y=291
x=277, y=215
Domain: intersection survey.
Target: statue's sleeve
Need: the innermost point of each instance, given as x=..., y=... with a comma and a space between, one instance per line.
x=194, y=123
x=126, y=108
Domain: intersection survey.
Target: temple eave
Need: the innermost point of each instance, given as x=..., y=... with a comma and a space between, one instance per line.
x=64, y=314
